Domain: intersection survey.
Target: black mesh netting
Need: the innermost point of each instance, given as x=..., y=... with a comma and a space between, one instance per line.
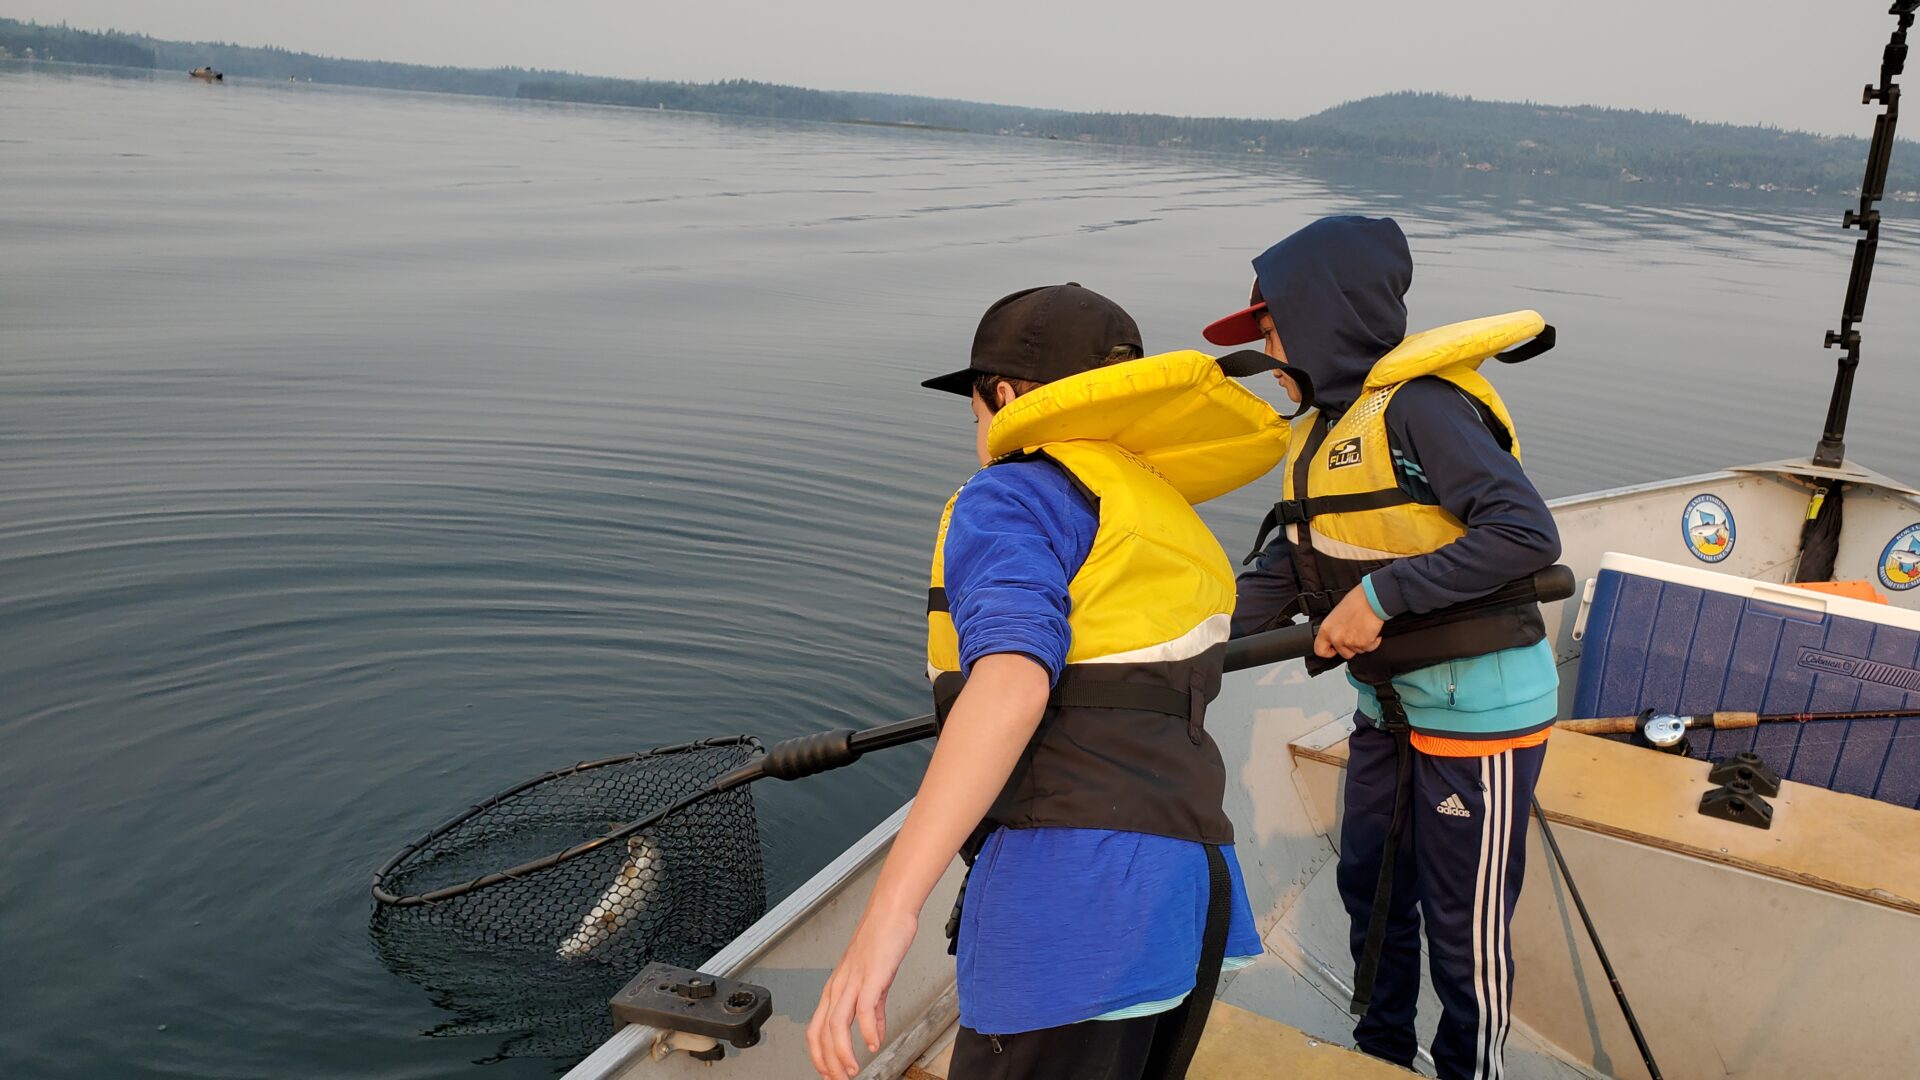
x=534, y=957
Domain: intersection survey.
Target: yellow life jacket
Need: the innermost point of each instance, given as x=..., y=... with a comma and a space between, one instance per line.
x=1123, y=744
x=1346, y=514
x=1355, y=458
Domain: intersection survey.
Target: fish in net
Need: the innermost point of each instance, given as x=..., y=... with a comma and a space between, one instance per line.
x=526, y=913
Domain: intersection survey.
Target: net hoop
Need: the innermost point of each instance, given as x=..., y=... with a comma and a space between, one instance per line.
x=387, y=897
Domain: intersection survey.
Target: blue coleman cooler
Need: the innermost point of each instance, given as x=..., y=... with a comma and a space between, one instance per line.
x=1681, y=639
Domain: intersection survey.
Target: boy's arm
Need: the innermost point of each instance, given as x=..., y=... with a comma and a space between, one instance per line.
x=1510, y=532
x=992, y=720
x=1018, y=534
x=1265, y=589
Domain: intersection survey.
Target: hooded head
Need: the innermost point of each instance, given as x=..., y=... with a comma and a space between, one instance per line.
x=1336, y=290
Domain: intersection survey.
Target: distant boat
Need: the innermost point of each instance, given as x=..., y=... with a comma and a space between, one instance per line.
x=207, y=74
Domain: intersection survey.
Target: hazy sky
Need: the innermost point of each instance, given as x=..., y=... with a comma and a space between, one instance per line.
x=1796, y=63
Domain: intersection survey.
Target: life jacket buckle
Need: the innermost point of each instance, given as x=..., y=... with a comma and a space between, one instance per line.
x=1393, y=713
x=1290, y=512
x=1196, y=708
x=1319, y=604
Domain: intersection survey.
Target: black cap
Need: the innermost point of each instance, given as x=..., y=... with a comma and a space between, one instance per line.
x=1043, y=334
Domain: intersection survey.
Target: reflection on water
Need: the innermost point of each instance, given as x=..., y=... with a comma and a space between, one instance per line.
x=369, y=452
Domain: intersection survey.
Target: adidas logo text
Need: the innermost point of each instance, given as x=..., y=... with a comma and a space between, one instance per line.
x=1453, y=806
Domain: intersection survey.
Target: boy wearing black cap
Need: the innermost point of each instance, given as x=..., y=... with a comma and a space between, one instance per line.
x=1078, y=614
x=1403, y=493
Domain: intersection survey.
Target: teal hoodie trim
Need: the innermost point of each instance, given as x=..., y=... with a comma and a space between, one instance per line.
x=1507, y=692
x=1373, y=598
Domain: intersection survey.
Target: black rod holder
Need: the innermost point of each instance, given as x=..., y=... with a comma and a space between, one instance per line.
x=1832, y=449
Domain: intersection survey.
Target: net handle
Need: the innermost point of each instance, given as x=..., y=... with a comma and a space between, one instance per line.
x=807, y=755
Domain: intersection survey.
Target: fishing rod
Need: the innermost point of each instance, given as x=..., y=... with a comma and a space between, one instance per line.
x=1593, y=935
x=1819, y=536
x=1661, y=729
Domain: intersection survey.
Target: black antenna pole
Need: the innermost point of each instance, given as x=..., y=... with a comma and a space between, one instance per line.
x=1833, y=442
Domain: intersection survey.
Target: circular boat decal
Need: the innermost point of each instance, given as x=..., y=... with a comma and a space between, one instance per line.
x=1900, y=559
x=1707, y=527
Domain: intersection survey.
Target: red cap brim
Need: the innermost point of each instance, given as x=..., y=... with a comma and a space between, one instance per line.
x=1238, y=328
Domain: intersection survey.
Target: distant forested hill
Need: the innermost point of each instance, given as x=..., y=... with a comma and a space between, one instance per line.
x=257, y=62
x=73, y=46
x=1589, y=141
x=1432, y=129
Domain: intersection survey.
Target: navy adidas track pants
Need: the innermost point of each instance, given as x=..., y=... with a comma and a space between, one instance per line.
x=1458, y=872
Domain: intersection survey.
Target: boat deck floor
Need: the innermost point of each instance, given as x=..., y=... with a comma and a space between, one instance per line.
x=1238, y=1043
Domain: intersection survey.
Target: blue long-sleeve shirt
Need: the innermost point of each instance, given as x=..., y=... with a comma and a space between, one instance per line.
x=1062, y=925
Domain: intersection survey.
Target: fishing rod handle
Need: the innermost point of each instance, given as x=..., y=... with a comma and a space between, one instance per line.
x=1627, y=725
x=1602, y=725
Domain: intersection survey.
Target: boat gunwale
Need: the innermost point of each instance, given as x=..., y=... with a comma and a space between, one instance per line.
x=629, y=1044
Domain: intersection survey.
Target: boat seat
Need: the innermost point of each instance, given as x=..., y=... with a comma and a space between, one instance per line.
x=1240, y=1044
x=1826, y=840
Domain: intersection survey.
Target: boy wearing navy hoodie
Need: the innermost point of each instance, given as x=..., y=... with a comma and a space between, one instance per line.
x=1403, y=494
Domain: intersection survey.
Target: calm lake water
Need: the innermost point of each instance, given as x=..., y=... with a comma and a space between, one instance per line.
x=364, y=453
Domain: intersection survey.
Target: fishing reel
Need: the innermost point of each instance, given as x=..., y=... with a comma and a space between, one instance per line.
x=1664, y=732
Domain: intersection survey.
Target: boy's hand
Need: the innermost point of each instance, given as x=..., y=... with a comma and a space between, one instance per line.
x=1350, y=629
x=987, y=729
x=857, y=990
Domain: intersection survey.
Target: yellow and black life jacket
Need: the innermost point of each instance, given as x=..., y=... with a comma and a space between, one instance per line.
x=1347, y=515
x=1123, y=744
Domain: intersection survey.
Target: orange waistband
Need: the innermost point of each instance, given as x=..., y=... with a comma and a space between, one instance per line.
x=1441, y=746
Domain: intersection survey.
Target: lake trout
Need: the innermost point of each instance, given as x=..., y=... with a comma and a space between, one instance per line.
x=623, y=904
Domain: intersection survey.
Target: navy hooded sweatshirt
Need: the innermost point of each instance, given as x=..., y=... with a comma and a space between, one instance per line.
x=1336, y=290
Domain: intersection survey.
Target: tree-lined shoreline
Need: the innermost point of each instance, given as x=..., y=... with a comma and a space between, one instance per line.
x=1436, y=130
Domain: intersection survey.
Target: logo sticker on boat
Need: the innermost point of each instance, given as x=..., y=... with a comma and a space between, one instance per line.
x=1707, y=527
x=1900, y=560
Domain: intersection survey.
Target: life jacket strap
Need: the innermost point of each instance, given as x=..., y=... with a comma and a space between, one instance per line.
x=1393, y=720
x=1542, y=342
x=1074, y=692
x=1177, y=1036
x=1300, y=511
x=969, y=851
x=1367, y=971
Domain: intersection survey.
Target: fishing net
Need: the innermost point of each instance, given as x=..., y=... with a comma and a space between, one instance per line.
x=523, y=915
